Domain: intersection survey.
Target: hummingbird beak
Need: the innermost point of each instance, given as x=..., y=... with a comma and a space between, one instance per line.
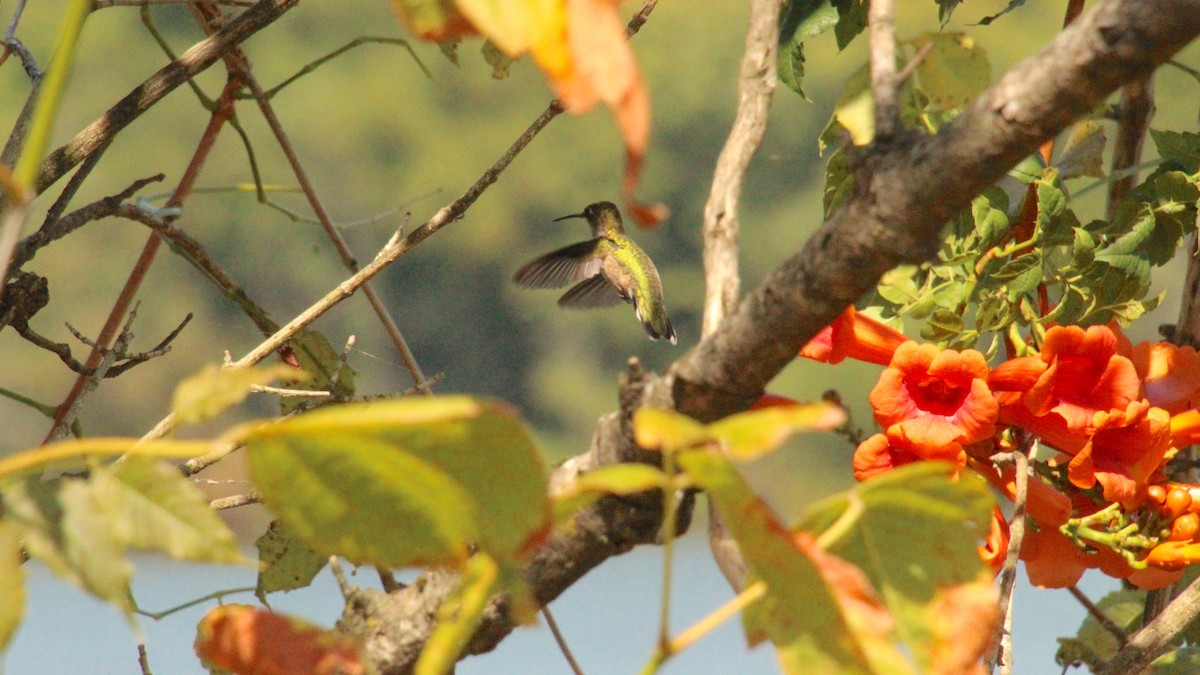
x=573, y=215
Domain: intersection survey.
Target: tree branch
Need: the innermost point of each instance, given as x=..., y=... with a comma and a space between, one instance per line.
x=202, y=55
x=905, y=192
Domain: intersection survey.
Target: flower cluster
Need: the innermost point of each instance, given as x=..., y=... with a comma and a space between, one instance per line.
x=1113, y=414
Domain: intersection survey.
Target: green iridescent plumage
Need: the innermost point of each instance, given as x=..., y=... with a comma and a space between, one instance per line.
x=605, y=270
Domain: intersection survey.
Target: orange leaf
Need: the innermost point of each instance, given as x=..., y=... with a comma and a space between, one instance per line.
x=243, y=639
x=967, y=617
x=433, y=19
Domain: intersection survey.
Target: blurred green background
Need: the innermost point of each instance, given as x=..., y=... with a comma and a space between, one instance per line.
x=374, y=132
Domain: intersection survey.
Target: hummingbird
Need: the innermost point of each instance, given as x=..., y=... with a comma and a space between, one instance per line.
x=605, y=269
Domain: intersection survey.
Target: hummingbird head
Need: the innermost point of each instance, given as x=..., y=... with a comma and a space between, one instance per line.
x=602, y=216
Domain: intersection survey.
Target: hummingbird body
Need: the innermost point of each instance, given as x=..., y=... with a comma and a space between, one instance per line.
x=605, y=270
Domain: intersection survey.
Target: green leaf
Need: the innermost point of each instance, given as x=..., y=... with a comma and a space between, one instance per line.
x=953, y=72
x=1070, y=308
x=12, y=583
x=839, y=181
x=1083, y=251
x=855, y=108
x=318, y=359
x=214, y=389
x=284, y=562
x=364, y=499
x=1093, y=644
x=852, y=19
x=1183, y=148
x=613, y=479
x=791, y=67
x=1182, y=661
x=913, y=532
x=750, y=435
x=800, y=613
x=403, y=482
x=802, y=19
x=996, y=312
x=1055, y=222
x=945, y=9
x=65, y=526
x=659, y=429
x=942, y=326
x=154, y=508
x=1023, y=274
x=990, y=214
x=458, y=616
x=1029, y=169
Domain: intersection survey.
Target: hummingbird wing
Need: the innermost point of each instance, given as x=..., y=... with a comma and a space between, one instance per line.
x=556, y=269
x=592, y=293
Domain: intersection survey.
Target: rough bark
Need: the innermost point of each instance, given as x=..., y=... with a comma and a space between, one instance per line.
x=907, y=187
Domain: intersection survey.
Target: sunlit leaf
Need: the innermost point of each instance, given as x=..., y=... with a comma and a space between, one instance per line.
x=613, y=479
x=1182, y=661
x=855, y=108
x=459, y=616
x=12, y=583
x=801, y=613
x=284, y=562
x=214, y=389
x=839, y=181
x=990, y=213
x=914, y=532
x=243, y=639
x=655, y=429
x=954, y=71
x=749, y=435
x=433, y=19
x=154, y=508
x=404, y=482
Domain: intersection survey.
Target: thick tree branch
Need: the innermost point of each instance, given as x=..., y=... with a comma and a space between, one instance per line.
x=905, y=192
x=907, y=189
x=1158, y=637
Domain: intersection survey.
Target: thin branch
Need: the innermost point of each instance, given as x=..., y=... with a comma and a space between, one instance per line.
x=756, y=86
x=357, y=42
x=195, y=60
x=1002, y=654
x=143, y=660
x=234, y=501
x=1133, y=121
x=561, y=641
x=881, y=40
x=894, y=216
x=1157, y=637
x=1098, y=614
x=149, y=251
x=394, y=249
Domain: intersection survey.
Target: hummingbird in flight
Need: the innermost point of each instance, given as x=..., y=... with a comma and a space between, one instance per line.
x=605, y=270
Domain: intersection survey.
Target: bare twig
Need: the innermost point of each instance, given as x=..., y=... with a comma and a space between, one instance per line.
x=1001, y=655
x=395, y=248
x=234, y=501
x=756, y=85
x=1099, y=615
x=149, y=251
x=67, y=413
x=561, y=641
x=881, y=23
x=1133, y=121
x=893, y=217
x=143, y=660
x=202, y=55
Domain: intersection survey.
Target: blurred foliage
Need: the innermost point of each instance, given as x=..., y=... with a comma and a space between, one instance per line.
x=375, y=133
